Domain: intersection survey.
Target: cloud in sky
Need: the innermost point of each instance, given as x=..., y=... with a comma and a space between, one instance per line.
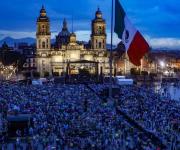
x=172, y=43
x=156, y=18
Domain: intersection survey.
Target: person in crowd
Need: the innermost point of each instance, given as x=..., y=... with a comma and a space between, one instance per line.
x=73, y=116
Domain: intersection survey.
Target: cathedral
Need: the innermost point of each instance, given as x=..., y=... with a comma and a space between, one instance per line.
x=67, y=55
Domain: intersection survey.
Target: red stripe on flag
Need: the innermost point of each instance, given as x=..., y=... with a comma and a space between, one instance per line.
x=138, y=48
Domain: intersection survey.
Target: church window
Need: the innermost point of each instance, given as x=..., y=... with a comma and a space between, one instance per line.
x=103, y=30
x=43, y=28
x=43, y=44
x=39, y=43
x=100, y=45
x=100, y=30
x=47, y=41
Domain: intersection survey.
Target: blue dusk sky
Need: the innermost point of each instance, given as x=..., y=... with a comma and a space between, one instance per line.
x=157, y=20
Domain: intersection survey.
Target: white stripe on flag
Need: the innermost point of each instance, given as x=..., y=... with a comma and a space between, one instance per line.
x=129, y=29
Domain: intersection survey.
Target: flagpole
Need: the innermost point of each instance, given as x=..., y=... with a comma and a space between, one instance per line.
x=125, y=63
x=110, y=61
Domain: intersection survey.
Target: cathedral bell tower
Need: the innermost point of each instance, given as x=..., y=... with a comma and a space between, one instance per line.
x=43, y=34
x=98, y=35
x=43, y=43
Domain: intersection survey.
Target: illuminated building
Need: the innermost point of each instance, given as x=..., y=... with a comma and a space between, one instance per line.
x=68, y=52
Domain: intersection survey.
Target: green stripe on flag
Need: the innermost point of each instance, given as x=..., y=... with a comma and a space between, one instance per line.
x=119, y=19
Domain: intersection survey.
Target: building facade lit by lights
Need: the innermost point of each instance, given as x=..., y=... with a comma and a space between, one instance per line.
x=56, y=57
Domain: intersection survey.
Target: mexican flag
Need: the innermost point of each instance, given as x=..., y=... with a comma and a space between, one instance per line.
x=135, y=44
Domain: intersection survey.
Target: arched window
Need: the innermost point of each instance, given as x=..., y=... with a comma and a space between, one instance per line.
x=103, y=29
x=43, y=45
x=43, y=28
x=39, y=43
x=100, y=45
x=47, y=43
x=100, y=29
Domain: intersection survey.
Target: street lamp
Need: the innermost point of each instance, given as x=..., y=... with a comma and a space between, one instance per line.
x=162, y=64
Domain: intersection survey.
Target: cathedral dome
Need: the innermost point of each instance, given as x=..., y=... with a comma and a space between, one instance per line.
x=73, y=38
x=73, y=34
x=64, y=31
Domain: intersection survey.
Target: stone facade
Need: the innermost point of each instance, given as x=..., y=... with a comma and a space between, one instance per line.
x=67, y=49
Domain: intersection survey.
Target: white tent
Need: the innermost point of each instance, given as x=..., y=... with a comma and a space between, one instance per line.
x=37, y=82
x=124, y=81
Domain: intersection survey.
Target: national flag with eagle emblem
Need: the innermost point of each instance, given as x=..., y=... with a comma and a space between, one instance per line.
x=135, y=44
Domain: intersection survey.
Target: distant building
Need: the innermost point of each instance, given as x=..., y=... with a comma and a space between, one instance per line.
x=68, y=52
x=122, y=63
x=67, y=55
x=8, y=56
x=170, y=58
x=28, y=53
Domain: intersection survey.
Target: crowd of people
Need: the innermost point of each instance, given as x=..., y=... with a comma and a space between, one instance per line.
x=150, y=110
x=73, y=117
